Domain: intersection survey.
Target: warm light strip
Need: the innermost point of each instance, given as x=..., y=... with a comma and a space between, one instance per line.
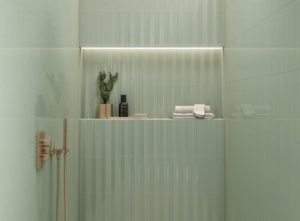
x=151, y=48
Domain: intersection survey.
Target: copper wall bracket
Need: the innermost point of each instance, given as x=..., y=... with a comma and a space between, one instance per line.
x=44, y=149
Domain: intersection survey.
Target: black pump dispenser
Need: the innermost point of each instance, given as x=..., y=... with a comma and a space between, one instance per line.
x=123, y=107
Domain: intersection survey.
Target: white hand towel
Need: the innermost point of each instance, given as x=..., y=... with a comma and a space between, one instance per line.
x=199, y=110
x=189, y=109
x=184, y=109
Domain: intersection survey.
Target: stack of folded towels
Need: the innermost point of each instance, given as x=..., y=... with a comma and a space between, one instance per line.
x=190, y=112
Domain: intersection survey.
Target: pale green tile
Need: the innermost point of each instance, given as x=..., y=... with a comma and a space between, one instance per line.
x=151, y=23
x=39, y=65
x=261, y=68
x=159, y=174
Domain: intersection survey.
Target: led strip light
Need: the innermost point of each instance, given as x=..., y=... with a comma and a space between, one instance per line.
x=152, y=48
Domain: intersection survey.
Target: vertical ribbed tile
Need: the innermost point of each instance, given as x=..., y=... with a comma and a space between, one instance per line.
x=152, y=170
x=151, y=23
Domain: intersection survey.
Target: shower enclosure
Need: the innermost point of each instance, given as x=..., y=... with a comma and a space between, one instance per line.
x=241, y=57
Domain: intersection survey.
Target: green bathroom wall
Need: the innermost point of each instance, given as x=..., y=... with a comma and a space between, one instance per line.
x=39, y=75
x=151, y=22
x=152, y=170
x=154, y=80
x=44, y=181
x=262, y=110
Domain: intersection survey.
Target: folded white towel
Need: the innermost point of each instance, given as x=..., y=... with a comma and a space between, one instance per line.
x=200, y=111
x=209, y=116
x=192, y=116
x=183, y=116
x=189, y=109
x=184, y=109
x=206, y=116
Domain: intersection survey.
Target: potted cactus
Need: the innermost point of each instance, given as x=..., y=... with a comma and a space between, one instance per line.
x=105, y=87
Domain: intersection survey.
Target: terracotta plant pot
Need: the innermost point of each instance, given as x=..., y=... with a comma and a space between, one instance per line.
x=105, y=111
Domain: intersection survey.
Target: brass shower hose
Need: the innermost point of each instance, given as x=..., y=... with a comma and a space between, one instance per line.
x=58, y=153
x=57, y=187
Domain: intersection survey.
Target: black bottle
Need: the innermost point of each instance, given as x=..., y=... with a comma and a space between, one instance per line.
x=123, y=107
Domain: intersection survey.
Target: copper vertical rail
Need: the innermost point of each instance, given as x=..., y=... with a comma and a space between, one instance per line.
x=65, y=150
x=58, y=187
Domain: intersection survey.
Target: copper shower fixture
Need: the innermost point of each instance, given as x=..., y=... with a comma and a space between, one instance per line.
x=45, y=149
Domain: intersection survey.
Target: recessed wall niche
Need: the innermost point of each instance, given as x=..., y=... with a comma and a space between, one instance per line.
x=154, y=79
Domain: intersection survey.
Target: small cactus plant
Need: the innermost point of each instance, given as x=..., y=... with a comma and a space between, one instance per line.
x=106, y=86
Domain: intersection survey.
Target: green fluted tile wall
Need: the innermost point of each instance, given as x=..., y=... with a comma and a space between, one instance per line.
x=152, y=170
x=262, y=76
x=151, y=22
x=39, y=75
x=154, y=80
